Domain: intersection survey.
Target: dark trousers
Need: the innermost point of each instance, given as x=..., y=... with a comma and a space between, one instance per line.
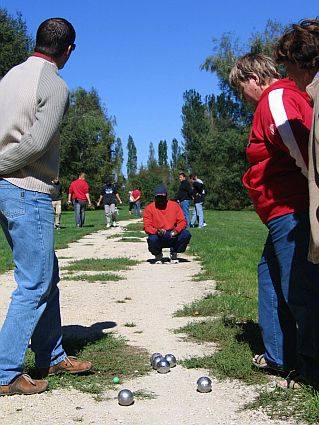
x=177, y=244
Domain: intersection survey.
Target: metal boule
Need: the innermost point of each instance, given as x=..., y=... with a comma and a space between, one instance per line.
x=171, y=359
x=125, y=397
x=156, y=360
x=204, y=384
x=163, y=366
x=153, y=357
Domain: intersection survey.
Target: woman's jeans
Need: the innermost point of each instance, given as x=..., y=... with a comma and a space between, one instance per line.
x=289, y=296
x=137, y=208
x=185, y=207
x=198, y=212
x=26, y=218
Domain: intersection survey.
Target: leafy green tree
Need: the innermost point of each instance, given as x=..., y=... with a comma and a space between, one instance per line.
x=131, y=165
x=162, y=154
x=87, y=136
x=15, y=43
x=196, y=125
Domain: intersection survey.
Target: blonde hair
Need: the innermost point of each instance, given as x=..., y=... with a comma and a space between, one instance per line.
x=253, y=63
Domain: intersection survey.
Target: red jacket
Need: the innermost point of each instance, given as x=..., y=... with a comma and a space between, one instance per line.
x=78, y=188
x=172, y=217
x=278, y=151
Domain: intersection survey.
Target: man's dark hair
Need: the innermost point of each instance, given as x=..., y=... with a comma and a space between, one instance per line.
x=182, y=174
x=54, y=36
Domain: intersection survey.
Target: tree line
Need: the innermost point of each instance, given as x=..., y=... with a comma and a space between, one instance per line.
x=215, y=129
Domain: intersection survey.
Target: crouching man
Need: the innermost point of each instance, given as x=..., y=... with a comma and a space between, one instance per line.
x=165, y=223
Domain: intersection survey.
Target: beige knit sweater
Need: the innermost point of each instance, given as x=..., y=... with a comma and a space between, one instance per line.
x=313, y=177
x=33, y=101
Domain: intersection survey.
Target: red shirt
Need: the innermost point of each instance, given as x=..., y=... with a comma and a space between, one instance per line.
x=78, y=188
x=278, y=151
x=172, y=217
x=136, y=194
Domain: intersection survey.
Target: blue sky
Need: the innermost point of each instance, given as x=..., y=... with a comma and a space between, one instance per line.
x=142, y=55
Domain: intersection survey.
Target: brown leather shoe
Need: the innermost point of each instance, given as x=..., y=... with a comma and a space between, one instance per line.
x=68, y=365
x=23, y=384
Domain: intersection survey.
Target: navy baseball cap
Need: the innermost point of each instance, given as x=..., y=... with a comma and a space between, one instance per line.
x=160, y=190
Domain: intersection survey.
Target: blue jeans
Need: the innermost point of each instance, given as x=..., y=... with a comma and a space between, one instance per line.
x=198, y=211
x=137, y=208
x=27, y=218
x=185, y=207
x=177, y=244
x=79, y=212
x=289, y=297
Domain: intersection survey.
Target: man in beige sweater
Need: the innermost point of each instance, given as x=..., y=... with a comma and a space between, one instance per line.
x=33, y=101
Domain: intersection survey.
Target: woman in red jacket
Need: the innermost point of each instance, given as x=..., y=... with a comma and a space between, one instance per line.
x=288, y=301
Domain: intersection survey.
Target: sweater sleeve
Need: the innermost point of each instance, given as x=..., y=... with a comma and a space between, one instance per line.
x=148, y=221
x=52, y=98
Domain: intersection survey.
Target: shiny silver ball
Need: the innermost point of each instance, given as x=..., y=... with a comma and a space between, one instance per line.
x=163, y=366
x=156, y=360
x=153, y=357
x=204, y=384
x=171, y=359
x=125, y=397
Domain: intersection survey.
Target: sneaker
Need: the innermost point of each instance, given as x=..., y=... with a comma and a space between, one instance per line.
x=174, y=259
x=23, y=384
x=68, y=365
x=204, y=225
x=159, y=258
x=108, y=225
x=114, y=224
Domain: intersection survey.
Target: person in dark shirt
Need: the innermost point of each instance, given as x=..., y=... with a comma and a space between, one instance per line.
x=109, y=195
x=184, y=196
x=198, y=195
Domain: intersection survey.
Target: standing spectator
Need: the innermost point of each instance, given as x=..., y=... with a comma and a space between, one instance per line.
x=130, y=202
x=298, y=51
x=137, y=202
x=79, y=194
x=198, y=195
x=184, y=196
x=109, y=195
x=165, y=224
x=33, y=101
x=288, y=291
x=56, y=197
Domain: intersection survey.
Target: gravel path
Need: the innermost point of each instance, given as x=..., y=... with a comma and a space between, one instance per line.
x=154, y=293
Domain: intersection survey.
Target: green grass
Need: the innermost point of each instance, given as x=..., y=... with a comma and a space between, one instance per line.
x=301, y=405
x=229, y=250
x=94, y=220
x=106, y=264
x=101, y=277
x=130, y=240
x=110, y=356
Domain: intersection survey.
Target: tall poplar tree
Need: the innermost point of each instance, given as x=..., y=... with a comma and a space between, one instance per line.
x=162, y=154
x=131, y=165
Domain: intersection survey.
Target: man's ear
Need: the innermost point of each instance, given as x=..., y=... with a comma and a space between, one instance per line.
x=256, y=78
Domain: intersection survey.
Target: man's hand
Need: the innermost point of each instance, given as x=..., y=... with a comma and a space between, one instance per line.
x=173, y=233
x=161, y=232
